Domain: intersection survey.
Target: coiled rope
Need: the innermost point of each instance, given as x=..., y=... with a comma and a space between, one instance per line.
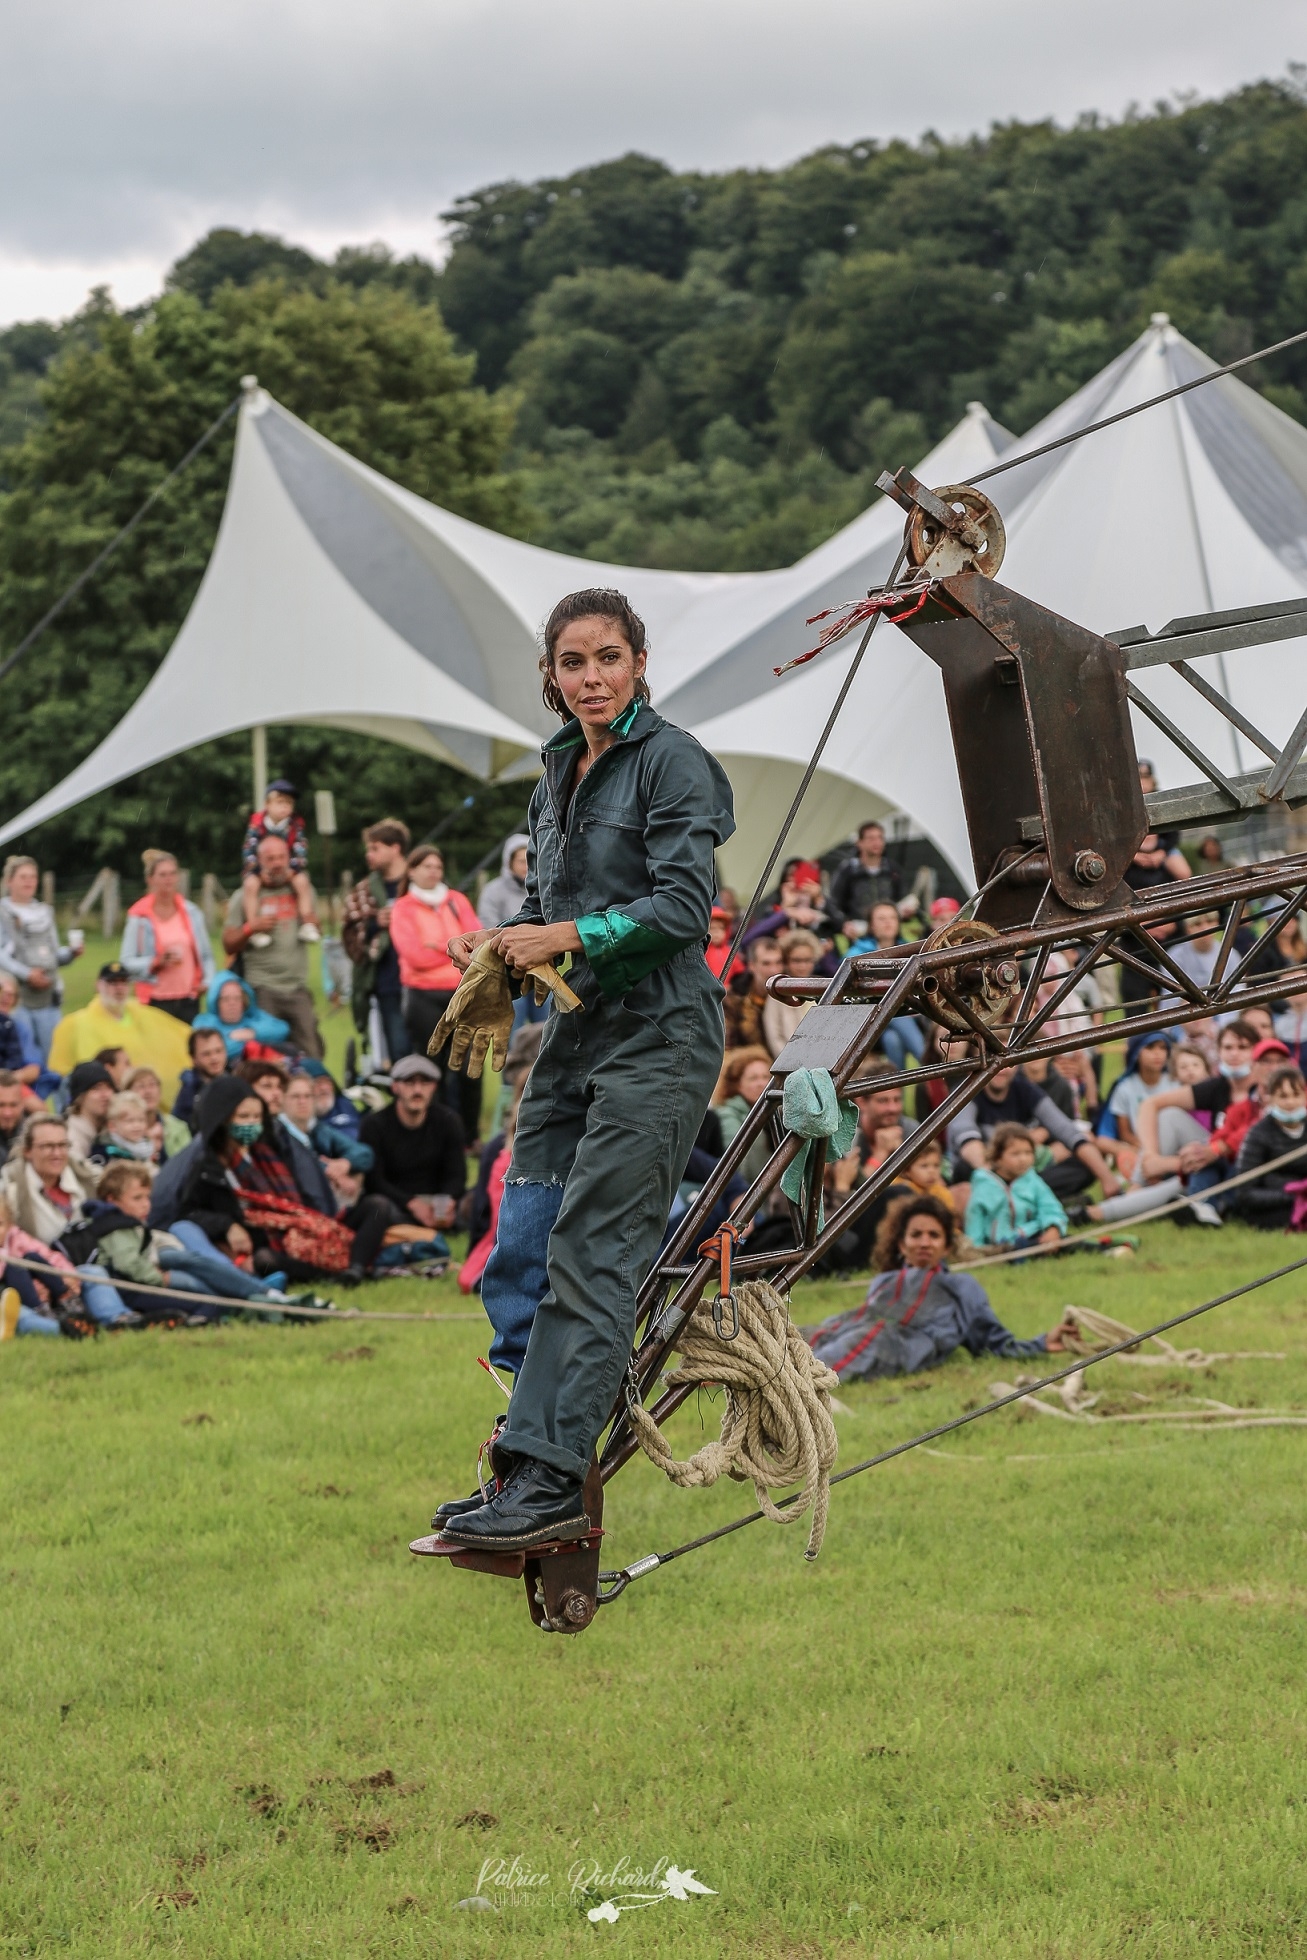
x=777, y=1426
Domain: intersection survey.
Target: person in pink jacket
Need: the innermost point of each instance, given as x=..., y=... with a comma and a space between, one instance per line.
x=422, y=923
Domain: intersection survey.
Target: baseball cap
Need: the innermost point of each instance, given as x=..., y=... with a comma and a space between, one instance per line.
x=805, y=872
x=1271, y=1046
x=410, y=1065
x=284, y=785
x=113, y=970
x=945, y=908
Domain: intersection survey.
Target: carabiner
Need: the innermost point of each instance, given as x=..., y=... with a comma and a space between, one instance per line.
x=718, y=1317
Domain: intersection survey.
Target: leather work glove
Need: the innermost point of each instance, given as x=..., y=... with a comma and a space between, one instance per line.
x=479, y=1018
x=548, y=980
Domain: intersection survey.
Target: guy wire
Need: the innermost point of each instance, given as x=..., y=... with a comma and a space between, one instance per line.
x=971, y=1415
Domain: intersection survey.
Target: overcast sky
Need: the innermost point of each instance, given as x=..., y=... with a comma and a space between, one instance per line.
x=128, y=128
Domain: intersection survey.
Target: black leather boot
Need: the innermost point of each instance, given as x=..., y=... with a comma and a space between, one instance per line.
x=536, y=1504
x=458, y=1507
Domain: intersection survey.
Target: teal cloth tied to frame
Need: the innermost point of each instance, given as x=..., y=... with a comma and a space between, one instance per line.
x=812, y=1109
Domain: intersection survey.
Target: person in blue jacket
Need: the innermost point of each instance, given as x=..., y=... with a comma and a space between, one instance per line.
x=917, y=1312
x=623, y=826
x=231, y=1008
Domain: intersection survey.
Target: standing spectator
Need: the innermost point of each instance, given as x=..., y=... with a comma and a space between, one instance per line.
x=423, y=920
x=208, y=1053
x=1158, y=861
x=279, y=970
x=279, y=818
x=504, y=896
x=366, y=933
x=30, y=949
x=418, y=1146
x=112, y=1019
x=166, y=942
x=747, y=995
x=864, y=880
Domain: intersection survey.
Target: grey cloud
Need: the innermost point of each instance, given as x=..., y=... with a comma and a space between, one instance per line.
x=124, y=130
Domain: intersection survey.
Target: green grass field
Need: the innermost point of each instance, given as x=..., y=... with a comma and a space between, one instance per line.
x=1040, y=1696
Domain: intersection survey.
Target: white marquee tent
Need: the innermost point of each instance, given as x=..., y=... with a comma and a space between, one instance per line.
x=336, y=598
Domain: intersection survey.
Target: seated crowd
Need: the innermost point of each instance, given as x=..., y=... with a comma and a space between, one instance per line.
x=182, y=1132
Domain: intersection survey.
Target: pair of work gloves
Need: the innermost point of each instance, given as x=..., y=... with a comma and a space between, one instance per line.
x=479, y=1019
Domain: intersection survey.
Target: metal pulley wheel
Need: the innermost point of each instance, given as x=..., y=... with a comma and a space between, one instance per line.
x=941, y=552
x=990, y=988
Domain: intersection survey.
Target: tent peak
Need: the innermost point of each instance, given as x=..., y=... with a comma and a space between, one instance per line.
x=1159, y=320
x=249, y=384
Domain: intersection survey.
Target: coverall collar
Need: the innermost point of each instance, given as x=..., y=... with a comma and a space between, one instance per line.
x=636, y=721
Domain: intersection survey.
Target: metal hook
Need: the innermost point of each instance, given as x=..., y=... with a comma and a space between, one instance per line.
x=725, y=1300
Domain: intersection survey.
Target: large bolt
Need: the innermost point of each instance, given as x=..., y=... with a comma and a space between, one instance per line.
x=1089, y=867
x=1006, y=974
x=578, y=1610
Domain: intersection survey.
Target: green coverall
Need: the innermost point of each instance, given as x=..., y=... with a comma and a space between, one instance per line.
x=616, y=1098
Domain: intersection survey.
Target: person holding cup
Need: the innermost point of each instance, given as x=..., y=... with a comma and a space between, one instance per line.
x=30, y=948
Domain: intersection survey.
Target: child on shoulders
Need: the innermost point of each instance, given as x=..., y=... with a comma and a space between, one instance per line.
x=278, y=818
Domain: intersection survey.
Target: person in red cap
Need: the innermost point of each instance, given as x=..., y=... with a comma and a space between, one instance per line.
x=797, y=903
x=942, y=910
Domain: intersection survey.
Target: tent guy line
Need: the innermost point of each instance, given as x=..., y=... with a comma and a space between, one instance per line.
x=106, y=552
x=1123, y=415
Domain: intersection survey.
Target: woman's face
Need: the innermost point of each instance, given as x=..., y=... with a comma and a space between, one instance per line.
x=596, y=670
x=429, y=872
x=96, y=1101
x=248, y=1110
x=884, y=924
x=231, y=1003
x=163, y=878
x=799, y=961
x=924, y=1241
x=22, y=885
x=754, y=1078
x=146, y=1086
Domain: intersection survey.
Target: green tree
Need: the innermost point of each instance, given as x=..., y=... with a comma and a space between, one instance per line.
x=368, y=367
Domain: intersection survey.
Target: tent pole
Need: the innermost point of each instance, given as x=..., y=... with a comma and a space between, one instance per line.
x=259, y=757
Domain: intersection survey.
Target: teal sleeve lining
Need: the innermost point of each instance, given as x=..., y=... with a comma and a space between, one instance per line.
x=621, y=950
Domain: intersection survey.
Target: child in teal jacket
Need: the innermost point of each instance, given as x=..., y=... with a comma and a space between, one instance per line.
x=1010, y=1204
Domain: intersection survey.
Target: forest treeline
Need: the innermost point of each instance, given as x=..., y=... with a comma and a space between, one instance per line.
x=638, y=364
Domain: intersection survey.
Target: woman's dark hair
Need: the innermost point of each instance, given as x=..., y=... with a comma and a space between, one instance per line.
x=889, y=1239
x=421, y=852
x=595, y=602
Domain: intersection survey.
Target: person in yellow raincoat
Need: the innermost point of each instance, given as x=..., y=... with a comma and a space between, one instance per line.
x=114, y=1019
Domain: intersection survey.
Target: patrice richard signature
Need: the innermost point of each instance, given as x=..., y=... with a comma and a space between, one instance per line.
x=627, y=1887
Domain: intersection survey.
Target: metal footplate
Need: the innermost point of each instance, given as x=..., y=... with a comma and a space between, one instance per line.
x=562, y=1577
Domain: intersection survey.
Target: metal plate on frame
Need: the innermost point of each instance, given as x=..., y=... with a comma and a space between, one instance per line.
x=822, y=1038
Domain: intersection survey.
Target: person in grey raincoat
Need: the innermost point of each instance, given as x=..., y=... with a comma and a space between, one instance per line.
x=623, y=827
x=917, y=1312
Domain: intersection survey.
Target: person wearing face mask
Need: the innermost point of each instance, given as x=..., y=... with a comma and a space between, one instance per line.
x=1268, y=1202
x=1219, y=1097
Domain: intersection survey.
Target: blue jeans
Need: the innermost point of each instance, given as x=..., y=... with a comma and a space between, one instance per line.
x=516, y=1277
x=103, y=1303
x=901, y=1038
x=201, y=1268
x=44, y=1022
x=393, y=1025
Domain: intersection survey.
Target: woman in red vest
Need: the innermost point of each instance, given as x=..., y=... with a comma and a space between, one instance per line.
x=166, y=942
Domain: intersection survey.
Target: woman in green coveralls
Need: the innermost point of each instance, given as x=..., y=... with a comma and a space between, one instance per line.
x=624, y=824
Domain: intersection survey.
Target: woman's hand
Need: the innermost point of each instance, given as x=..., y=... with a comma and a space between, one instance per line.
x=524, y=946
x=37, y=978
x=1058, y=1340
x=462, y=946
